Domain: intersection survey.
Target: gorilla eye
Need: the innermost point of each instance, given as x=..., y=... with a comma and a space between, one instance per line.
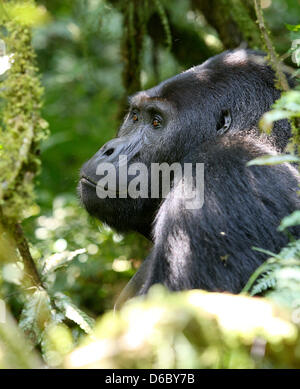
x=135, y=117
x=156, y=122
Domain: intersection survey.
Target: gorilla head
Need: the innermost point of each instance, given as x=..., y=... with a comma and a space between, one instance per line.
x=227, y=93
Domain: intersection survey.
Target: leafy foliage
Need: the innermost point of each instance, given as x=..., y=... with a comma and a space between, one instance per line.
x=193, y=329
x=81, y=263
x=278, y=278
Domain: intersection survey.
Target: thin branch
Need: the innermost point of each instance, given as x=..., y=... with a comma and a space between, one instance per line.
x=273, y=57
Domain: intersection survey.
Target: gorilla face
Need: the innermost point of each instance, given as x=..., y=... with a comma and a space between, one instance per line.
x=167, y=123
x=143, y=137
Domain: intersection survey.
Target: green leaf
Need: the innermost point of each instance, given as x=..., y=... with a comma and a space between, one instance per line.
x=292, y=27
x=267, y=120
x=273, y=159
x=286, y=107
x=72, y=312
x=36, y=315
x=289, y=221
x=24, y=13
x=266, y=282
x=291, y=251
x=289, y=101
x=60, y=259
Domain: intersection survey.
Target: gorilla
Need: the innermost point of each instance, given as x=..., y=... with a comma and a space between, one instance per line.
x=206, y=115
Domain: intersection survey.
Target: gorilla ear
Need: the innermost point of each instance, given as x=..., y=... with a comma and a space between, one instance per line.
x=224, y=122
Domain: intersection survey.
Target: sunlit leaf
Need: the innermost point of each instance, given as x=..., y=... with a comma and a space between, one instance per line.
x=292, y=27
x=289, y=221
x=57, y=342
x=36, y=315
x=73, y=313
x=60, y=259
x=12, y=273
x=25, y=12
x=273, y=159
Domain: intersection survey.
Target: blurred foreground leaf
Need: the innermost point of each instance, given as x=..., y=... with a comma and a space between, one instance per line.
x=193, y=329
x=15, y=351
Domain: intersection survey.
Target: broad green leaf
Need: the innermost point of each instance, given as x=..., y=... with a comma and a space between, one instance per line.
x=73, y=313
x=60, y=259
x=36, y=314
x=291, y=220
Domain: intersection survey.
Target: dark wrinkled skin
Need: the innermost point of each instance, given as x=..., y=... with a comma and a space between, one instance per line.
x=207, y=114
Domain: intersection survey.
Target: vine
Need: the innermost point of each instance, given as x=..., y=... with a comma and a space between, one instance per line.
x=273, y=57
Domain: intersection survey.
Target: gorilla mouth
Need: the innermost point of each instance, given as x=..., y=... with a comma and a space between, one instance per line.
x=89, y=182
x=86, y=180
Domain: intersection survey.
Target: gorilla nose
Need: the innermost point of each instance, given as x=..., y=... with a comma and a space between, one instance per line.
x=109, y=153
x=111, y=150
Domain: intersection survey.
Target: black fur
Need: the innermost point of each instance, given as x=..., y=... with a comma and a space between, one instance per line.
x=207, y=114
x=211, y=248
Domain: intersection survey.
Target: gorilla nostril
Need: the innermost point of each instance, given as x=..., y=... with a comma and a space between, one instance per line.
x=109, y=152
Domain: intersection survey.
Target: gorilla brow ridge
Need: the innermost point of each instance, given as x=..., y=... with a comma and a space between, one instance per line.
x=143, y=96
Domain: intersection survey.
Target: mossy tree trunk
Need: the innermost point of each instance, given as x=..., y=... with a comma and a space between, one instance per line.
x=234, y=20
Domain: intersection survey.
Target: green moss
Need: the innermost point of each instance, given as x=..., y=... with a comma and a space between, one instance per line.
x=245, y=23
x=22, y=127
x=235, y=22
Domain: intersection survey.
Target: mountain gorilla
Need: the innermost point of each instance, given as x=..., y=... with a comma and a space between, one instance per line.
x=207, y=114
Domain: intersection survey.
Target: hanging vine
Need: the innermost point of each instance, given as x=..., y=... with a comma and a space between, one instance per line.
x=132, y=43
x=276, y=65
x=136, y=15
x=273, y=57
